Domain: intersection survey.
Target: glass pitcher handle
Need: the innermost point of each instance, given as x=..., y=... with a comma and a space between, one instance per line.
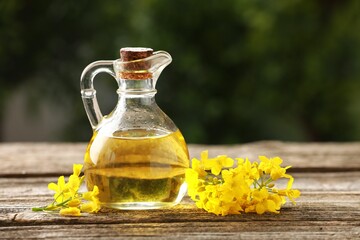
x=88, y=93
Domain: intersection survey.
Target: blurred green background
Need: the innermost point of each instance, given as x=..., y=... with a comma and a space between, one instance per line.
x=242, y=70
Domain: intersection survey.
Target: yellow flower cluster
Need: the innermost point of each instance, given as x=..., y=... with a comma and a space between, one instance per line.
x=67, y=199
x=220, y=188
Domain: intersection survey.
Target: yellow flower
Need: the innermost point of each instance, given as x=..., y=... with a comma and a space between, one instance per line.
x=216, y=164
x=90, y=207
x=267, y=164
x=249, y=187
x=260, y=194
x=279, y=172
x=249, y=171
x=74, y=180
x=263, y=202
x=59, y=189
x=68, y=200
x=191, y=178
x=91, y=194
x=74, y=184
x=227, y=195
x=227, y=188
x=94, y=204
x=63, y=190
x=290, y=183
x=235, y=182
x=288, y=192
x=272, y=166
x=278, y=200
x=70, y=211
x=196, y=166
x=77, y=169
x=74, y=202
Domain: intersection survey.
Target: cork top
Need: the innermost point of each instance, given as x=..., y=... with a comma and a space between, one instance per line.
x=132, y=69
x=135, y=53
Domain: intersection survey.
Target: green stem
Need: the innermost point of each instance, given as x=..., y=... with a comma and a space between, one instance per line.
x=256, y=182
x=38, y=209
x=51, y=207
x=63, y=203
x=268, y=181
x=61, y=194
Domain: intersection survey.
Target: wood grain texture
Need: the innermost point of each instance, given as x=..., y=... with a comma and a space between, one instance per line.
x=322, y=215
x=309, y=182
x=52, y=159
x=328, y=176
x=190, y=230
x=319, y=213
x=312, y=207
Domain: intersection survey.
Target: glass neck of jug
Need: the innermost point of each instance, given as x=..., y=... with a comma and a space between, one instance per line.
x=136, y=88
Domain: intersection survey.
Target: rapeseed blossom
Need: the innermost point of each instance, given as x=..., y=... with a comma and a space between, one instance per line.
x=67, y=199
x=220, y=188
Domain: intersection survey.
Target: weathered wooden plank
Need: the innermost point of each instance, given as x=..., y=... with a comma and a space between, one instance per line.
x=39, y=158
x=191, y=230
x=54, y=158
x=339, y=200
x=327, y=195
x=321, y=206
x=333, y=194
x=300, y=213
x=318, y=182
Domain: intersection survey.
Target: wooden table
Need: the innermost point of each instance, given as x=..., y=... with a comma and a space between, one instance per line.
x=328, y=176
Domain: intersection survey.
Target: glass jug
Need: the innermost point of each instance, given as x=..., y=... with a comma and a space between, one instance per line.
x=137, y=156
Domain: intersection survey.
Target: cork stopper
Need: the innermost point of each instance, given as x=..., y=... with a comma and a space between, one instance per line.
x=133, y=67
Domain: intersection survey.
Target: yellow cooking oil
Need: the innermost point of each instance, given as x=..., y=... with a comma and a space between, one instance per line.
x=137, y=169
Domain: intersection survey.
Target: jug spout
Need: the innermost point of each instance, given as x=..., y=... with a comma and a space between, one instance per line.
x=141, y=64
x=160, y=60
